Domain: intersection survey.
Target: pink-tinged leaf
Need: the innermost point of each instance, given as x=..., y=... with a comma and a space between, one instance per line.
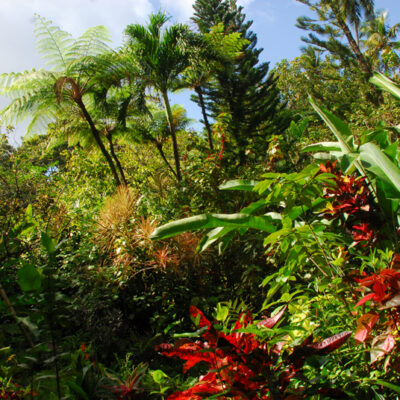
x=365, y=299
x=393, y=302
x=277, y=348
x=381, y=345
x=330, y=344
x=364, y=325
x=271, y=322
x=196, y=313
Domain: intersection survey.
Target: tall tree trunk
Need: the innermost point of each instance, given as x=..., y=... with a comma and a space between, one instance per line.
x=161, y=151
x=114, y=156
x=356, y=49
x=377, y=97
x=97, y=137
x=205, y=118
x=168, y=112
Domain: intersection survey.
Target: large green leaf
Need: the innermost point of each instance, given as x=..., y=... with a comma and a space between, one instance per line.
x=238, y=184
x=208, y=221
x=342, y=133
x=29, y=278
x=48, y=243
x=212, y=236
x=375, y=160
x=385, y=83
x=323, y=146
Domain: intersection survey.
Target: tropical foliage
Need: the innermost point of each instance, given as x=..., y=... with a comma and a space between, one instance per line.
x=274, y=231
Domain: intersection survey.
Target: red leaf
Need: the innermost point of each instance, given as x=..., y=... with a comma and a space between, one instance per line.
x=271, y=322
x=330, y=344
x=364, y=325
x=191, y=352
x=365, y=299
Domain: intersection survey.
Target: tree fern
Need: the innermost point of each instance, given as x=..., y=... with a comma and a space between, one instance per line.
x=93, y=42
x=53, y=43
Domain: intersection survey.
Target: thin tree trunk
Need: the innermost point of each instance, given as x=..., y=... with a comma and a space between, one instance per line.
x=173, y=135
x=357, y=33
x=114, y=156
x=14, y=314
x=356, y=49
x=161, y=151
x=97, y=137
x=377, y=99
x=205, y=118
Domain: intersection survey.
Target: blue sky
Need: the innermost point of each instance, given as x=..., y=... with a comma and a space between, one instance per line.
x=273, y=21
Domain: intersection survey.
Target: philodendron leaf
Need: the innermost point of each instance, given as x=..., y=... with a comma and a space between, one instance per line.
x=208, y=221
x=29, y=278
x=383, y=82
x=375, y=160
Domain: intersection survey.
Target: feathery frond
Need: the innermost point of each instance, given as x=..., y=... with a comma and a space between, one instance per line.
x=54, y=43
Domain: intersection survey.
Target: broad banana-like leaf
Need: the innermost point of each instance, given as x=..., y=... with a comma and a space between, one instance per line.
x=383, y=82
x=212, y=236
x=238, y=184
x=375, y=160
x=207, y=221
x=342, y=133
x=323, y=146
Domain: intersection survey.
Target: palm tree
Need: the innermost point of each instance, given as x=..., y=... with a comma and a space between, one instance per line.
x=153, y=127
x=348, y=13
x=380, y=40
x=163, y=55
x=78, y=66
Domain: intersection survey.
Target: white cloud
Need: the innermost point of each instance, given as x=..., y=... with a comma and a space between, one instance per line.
x=245, y=3
x=181, y=9
x=74, y=16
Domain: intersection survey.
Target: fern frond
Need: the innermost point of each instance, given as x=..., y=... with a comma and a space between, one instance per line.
x=93, y=42
x=54, y=43
x=13, y=85
x=39, y=122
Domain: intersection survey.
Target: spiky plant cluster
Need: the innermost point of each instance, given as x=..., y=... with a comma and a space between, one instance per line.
x=124, y=236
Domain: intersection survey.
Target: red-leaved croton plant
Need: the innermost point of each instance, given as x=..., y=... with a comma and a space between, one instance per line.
x=242, y=367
